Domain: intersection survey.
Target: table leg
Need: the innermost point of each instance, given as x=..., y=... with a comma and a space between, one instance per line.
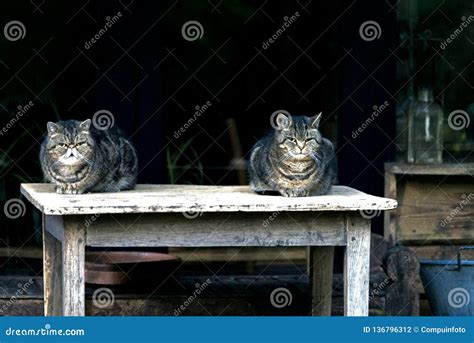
x=63, y=266
x=357, y=267
x=320, y=266
x=52, y=271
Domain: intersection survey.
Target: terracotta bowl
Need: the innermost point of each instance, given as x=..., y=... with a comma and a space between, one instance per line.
x=120, y=267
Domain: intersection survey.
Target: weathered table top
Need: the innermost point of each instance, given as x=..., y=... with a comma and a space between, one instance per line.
x=185, y=198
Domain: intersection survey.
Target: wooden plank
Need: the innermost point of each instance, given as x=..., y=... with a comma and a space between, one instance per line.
x=430, y=169
x=20, y=287
x=321, y=263
x=55, y=226
x=436, y=209
x=217, y=300
x=52, y=272
x=22, y=252
x=165, y=306
x=190, y=198
x=402, y=297
x=22, y=307
x=356, y=267
x=245, y=254
x=162, y=306
x=218, y=229
x=73, y=266
x=440, y=252
x=390, y=217
x=63, y=265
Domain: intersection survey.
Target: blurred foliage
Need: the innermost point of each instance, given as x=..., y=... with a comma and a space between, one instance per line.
x=179, y=163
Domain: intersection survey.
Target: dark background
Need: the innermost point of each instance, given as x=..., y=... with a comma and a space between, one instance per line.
x=151, y=79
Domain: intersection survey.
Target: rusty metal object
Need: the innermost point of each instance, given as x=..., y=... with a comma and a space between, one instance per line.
x=120, y=267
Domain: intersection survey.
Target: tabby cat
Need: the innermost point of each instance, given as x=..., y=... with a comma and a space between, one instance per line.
x=79, y=158
x=294, y=159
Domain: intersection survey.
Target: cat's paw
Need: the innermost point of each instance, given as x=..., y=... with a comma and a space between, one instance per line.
x=304, y=193
x=60, y=190
x=67, y=189
x=295, y=192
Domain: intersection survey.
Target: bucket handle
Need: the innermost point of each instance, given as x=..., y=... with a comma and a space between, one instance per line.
x=459, y=254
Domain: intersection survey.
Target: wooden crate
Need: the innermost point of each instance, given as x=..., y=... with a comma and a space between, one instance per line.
x=435, y=213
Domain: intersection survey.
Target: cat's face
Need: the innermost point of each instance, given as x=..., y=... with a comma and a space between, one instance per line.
x=69, y=143
x=299, y=137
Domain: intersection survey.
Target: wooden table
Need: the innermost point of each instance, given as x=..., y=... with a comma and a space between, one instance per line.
x=205, y=216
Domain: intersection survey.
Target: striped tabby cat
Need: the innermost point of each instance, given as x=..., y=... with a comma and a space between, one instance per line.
x=294, y=159
x=79, y=158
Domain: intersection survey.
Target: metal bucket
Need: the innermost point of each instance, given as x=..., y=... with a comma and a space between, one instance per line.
x=449, y=285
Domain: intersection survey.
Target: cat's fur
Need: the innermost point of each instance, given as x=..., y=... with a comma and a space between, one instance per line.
x=79, y=158
x=294, y=159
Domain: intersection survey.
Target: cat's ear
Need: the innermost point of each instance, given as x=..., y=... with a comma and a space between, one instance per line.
x=314, y=121
x=283, y=121
x=85, y=125
x=52, y=127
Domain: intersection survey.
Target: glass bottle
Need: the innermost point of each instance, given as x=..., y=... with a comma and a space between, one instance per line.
x=425, y=130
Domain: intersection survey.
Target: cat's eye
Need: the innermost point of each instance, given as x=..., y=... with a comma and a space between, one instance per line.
x=309, y=139
x=292, y=140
